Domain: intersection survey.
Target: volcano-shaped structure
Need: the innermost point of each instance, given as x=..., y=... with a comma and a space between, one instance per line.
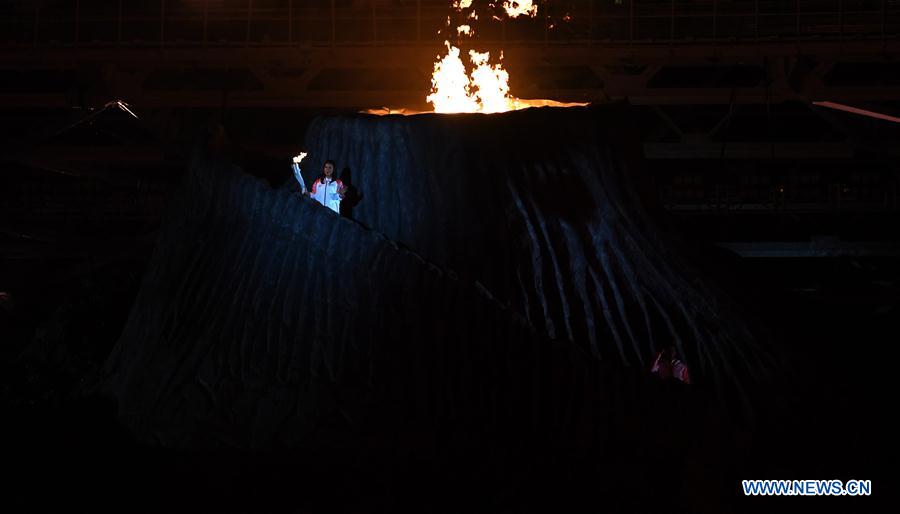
x=542, y=209
x=499, y=279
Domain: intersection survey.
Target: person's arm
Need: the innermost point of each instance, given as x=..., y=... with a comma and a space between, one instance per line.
x=299, y=176
x=296, y=167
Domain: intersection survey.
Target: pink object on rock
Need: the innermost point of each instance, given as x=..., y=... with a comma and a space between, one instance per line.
x=666, y=365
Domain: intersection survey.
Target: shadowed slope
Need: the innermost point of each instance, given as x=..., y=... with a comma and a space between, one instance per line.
x=540, y=207
x=266, y=320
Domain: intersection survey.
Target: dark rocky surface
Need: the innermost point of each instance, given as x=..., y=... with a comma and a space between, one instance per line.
x=432, y=355
x=548, y=209
x=519, y=286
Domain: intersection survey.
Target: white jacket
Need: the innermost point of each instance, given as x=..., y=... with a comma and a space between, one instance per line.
x=325, y=191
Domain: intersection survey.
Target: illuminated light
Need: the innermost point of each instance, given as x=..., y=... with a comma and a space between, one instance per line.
x=465, y=29
x=857, y=110
x=384, y=111
x=462, y=4
x=516, y=8
x=525, y=103
x=473, y=15
x=121, y=105
x=567, y=17
x=519, y=103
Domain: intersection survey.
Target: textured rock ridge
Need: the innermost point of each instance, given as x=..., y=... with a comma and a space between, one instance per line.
x=541, y=207
x=268, y=321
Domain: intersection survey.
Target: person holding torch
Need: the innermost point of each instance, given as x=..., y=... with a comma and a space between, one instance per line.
x=327, y=190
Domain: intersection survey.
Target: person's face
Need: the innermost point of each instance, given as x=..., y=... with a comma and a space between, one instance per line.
x=328, y=169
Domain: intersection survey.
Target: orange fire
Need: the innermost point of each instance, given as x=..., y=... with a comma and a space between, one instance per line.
x=450, y=85
x=492, y=84
x=516, y=8
x=455, y=89
x=484, y=88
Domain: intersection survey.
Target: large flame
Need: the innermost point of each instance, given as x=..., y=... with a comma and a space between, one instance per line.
x=485, y=88
x=450, y=85
x=492, y=83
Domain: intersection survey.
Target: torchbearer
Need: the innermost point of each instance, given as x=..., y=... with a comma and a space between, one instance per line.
x=327, y=190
